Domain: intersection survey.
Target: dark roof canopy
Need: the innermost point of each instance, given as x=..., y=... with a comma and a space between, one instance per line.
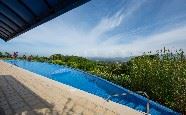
x=19, y=16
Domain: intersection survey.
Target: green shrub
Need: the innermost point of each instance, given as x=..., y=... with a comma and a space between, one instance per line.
x=163, y=77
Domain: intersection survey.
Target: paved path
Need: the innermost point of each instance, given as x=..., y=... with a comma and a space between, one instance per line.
x=25, y=93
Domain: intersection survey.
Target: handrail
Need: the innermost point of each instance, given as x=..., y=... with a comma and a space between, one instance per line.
x=148, y=101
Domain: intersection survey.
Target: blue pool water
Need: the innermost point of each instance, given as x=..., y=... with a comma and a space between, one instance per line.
x=92, y=84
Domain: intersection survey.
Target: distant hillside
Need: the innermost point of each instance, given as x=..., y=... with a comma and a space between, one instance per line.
x=119, y=59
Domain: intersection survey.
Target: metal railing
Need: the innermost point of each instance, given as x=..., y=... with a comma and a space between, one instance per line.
x=148, y=101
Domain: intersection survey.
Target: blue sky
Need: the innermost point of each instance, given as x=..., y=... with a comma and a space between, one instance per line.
x=108, y=28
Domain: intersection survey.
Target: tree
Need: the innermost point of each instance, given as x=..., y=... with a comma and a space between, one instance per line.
x=8, y=55
x=1, y=54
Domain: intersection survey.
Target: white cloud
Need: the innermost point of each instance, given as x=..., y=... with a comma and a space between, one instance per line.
x=170, y=39
x=109, y=23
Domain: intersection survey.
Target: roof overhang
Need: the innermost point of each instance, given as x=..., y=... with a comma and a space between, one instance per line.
x=19, y=16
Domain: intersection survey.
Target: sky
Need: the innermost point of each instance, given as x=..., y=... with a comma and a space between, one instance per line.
x=108, y=28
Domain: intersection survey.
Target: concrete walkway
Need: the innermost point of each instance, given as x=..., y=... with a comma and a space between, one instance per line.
x=26, y=93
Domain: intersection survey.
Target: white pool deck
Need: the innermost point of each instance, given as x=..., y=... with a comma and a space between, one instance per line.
x=25, y=93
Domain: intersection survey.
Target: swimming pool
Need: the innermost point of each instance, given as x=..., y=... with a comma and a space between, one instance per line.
x=93, y=85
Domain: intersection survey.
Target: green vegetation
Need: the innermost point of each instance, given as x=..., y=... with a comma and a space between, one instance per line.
x=162, y=75
x=5, y=55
